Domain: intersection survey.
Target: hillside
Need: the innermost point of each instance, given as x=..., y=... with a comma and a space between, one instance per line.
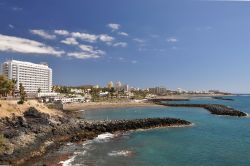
x=8, y=107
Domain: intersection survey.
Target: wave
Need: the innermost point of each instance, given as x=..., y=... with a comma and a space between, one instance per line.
x=69, y=144
x=80, y=153
x=124, y=153
x=87, y=142
x=87, y=146
x=68, y=162
x=72, y=158
x=104, y=137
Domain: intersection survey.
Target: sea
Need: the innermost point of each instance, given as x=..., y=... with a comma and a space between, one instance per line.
x=212, y=140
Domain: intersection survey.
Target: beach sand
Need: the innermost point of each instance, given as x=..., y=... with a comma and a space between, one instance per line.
x=101, y=105
x=124, y=104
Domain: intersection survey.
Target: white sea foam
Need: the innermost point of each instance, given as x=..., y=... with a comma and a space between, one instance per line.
x=87, y=143
x=104, y=137
x=82, y=153
x=69, y=144
x=68, y=162
x=124, y=153
x=81, y=110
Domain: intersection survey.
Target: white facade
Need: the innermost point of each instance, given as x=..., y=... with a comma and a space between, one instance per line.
x=32, y=76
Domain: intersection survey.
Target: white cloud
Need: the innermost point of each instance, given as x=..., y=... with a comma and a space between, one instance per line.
x=70, y=41
x=120, y=44
x=106, y=38
x=139, y=40
x=87, y=52
x=22, y=45
x=172, y=40
x=11, y=26
x=85, y=36
x=42, y=34
x=82, y=55
x=15, y=8
x=91, y=50
x=61, y=32
x=87, y=48
x=114, y=26
x=123, y=33
x=134, y=61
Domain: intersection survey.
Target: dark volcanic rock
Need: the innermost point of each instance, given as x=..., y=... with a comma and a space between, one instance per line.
x=36, y=116
x=73, y=130
x=222, y=98
x=163, y=99
x=213, y=108
x=34, y=113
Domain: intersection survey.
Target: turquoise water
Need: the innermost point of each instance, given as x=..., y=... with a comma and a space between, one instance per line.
x=213, y=140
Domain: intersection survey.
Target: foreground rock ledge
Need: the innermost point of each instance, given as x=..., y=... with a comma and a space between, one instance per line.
x=35, y=133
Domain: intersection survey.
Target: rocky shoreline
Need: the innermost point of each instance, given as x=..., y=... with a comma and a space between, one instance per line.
x=32, y=135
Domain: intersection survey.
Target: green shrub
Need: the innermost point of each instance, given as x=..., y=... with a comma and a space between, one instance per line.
x=5, y=146
x=2, y=143
x=20, y=102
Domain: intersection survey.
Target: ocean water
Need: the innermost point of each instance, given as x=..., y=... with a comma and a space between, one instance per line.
x=212, y=140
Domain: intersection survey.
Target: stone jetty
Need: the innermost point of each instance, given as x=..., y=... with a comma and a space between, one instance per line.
x=24, y=138
x=216, y=109
x=222, y=98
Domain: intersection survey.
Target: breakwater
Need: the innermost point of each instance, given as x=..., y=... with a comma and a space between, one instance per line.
x=222, y=98
x=216, y=109
x=165, y=99
x=32, y=135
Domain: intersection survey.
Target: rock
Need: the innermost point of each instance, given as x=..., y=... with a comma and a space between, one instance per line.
x=216, y=109
x=30, y=133
x=37, y=117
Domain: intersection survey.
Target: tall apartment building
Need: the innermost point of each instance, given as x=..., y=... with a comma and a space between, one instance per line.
x=158, y=90
x=32, y=76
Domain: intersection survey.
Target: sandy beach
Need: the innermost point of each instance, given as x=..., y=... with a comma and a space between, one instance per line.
x=124, y=104
x=100, y=105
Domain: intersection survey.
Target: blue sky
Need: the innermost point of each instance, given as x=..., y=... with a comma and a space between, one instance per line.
x=144, y=43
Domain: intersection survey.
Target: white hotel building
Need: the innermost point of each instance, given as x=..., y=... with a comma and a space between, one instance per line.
x=32, y=76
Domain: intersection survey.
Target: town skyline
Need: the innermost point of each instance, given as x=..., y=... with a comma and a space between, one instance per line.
x=195, y=48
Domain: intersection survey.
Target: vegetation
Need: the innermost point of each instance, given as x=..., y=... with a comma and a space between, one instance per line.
x=22, y=94
x=61, y=89
x=2, y=143
x=7, y=87
x=141, y=94
x=95, y=94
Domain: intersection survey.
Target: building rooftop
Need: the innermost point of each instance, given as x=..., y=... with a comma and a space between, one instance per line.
x=43, y=65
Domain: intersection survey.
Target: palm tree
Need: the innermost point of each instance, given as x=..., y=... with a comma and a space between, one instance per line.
x=22, y=94
x=39, y=90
